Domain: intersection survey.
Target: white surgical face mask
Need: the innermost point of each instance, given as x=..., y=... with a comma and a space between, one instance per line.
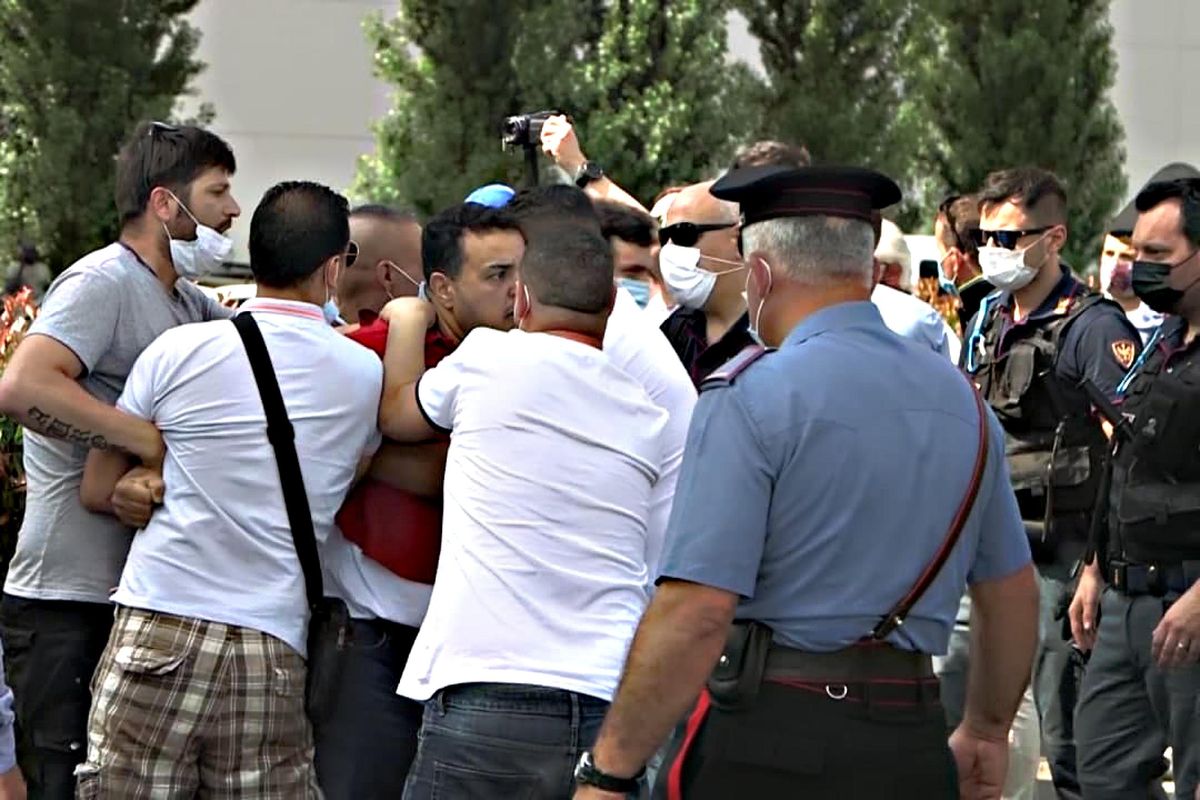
x=1008, y=269
x=201, y=255
x=690, y=285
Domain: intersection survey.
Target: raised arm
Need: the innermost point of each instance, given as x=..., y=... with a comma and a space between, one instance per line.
x=560, y=143
x=400, y=417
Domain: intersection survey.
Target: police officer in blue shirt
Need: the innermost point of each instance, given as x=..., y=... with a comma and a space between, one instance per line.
x=810, y=503
x=1028, y=349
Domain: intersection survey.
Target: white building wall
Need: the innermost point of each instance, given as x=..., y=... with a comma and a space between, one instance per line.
x=1157, y=95
x=292, y=85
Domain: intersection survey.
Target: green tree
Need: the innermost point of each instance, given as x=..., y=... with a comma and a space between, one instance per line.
x=1012, y=83
x=644, y=80
x=837, y=80
x=75, y=77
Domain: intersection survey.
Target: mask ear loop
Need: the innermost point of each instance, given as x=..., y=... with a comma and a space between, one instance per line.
x=186, y=210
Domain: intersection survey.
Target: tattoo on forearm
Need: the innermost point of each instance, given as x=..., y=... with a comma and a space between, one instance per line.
x=55, y=427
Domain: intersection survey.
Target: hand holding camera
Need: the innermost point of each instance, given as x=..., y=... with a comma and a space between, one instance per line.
x=560, y=143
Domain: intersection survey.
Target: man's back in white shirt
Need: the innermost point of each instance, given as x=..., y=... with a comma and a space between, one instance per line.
x=221, y=548
x=636, y=345
x=554, y=459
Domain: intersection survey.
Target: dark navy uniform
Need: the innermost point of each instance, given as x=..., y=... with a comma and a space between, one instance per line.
x=808, y=491
x=1130, y=710
x=1030, y=374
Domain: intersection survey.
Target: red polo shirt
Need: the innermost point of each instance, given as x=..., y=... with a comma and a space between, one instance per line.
x=400, y=530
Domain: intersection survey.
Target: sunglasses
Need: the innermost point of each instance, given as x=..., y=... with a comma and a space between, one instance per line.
x=686, y=234
x=1006, y=239
x=351, y=253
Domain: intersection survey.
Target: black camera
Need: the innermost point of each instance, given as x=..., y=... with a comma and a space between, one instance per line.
x=525, y=130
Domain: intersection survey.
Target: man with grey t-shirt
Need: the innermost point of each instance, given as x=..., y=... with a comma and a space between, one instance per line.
x=172, y=192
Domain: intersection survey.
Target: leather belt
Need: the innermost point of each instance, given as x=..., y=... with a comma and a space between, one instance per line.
x=852, y=665
x=1158, y=580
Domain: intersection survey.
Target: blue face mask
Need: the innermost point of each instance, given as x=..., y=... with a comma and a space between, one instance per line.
x=332, y=315
x=639, y=289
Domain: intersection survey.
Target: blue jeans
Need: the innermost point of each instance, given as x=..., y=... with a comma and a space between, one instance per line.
x=364, y=749
x=509, y=742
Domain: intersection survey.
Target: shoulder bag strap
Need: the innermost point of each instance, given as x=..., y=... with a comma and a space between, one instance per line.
x=282, y=437
x=895, y=618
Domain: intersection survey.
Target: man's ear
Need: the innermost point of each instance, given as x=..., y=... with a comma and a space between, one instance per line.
x=521, y=304
x=877, y=273
x=1058, y=238
x=333, y=271
x=383, y=276
x=441, y=288
x=952, y=264
x=161, y=204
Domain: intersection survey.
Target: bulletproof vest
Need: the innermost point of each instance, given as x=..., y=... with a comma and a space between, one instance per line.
x=1054, y=446
x=1154, y=500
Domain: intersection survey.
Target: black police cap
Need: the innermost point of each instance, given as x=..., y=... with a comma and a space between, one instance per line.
x=771, y=192
x=1122, y=224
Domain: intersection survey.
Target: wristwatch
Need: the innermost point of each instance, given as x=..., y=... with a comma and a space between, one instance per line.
x=590, y=171
x=586, y=774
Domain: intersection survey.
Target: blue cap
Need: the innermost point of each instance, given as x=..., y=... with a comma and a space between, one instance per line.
x=494, y=195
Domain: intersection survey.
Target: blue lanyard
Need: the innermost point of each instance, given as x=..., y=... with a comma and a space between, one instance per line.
x=1123, y=386
x=977, y=333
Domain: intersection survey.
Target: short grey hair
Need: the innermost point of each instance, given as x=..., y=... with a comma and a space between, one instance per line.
x=815, y=250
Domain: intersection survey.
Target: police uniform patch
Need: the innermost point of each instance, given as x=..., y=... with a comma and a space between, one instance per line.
x=1124, y=351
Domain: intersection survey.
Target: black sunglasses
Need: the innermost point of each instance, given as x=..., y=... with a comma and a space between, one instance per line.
x=686, y=234
x=351, y=253
x=1006, y=239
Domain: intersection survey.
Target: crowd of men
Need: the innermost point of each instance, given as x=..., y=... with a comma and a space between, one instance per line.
x=551, y=495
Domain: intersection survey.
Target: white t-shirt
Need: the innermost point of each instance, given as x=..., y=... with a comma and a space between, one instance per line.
x=221, y=548
x=369, y=589
x=554, y=458
x=1146, y=320
x=635, y=344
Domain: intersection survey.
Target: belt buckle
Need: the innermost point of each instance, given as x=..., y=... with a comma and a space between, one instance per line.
x=1118, y=576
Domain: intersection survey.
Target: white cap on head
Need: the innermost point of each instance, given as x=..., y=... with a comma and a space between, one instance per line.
x=893, y=249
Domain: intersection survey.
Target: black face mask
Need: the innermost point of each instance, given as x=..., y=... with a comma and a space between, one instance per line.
x=1150, y=284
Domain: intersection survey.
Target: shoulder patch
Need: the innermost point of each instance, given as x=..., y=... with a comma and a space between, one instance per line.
x=1124, y=351
x=728, y=372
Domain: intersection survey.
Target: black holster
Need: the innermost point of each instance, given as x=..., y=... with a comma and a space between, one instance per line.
x=735, y=681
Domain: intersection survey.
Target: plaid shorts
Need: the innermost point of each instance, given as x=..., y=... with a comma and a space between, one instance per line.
x=183, y=707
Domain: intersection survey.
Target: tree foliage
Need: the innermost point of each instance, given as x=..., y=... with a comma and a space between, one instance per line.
x=644, y=80
x=1012, y=83
x=75, y=77
x=837, y=73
